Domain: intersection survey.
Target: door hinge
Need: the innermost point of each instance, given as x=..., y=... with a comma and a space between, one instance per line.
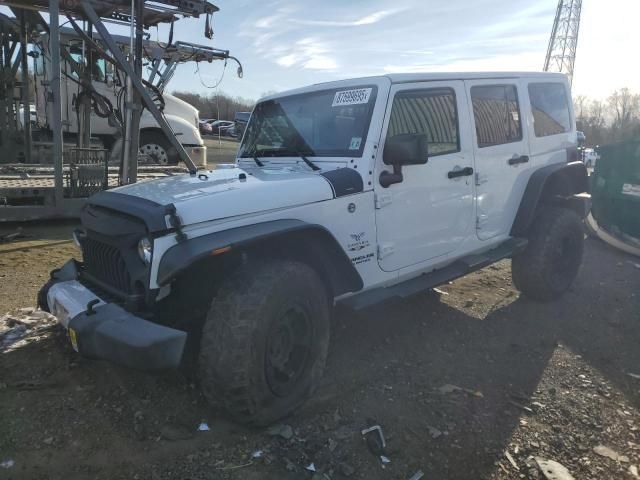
x=383, y=199
x=385, y=250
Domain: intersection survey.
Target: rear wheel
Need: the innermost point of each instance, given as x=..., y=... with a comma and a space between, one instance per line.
x=157, y=148
x=549, y=265
x=265, y=341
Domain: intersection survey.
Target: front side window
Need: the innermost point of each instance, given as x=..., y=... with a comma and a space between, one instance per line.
x=327, y=123
x=496, y=114
x=431, y=113
x=550, y=109
x=98, y=67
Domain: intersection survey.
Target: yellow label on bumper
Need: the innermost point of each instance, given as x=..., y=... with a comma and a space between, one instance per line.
x=74, y=339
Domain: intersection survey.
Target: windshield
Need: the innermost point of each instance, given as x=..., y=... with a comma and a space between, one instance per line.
x=327, y=123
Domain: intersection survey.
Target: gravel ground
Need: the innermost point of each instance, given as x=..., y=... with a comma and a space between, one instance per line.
x=468, y=382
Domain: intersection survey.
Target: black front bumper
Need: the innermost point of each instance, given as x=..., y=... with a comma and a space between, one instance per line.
x=109, y=332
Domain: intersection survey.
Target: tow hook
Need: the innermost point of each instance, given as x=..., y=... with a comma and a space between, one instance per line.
x=90, y=310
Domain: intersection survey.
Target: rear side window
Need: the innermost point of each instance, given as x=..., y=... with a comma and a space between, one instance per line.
x=550, y=109
x=431, y=113
x=497, y=115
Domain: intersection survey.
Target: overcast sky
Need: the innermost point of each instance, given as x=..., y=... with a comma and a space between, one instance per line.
x=285, y=44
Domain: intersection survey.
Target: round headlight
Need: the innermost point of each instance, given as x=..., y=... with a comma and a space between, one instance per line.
x=145, y=250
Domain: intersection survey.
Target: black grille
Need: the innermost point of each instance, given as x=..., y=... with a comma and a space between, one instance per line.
x=105, y=263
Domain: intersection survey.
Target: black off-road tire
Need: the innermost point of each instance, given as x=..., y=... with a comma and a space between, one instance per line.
x=241, y=340
x=41, y=298
x=548, y=266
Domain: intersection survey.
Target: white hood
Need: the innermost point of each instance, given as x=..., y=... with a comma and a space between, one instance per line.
x=180, y=108
x=224, y=193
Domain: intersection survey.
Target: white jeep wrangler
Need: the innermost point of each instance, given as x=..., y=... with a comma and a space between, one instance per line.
x=356, y=192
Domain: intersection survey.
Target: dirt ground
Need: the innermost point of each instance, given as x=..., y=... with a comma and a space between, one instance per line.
x=457, y=379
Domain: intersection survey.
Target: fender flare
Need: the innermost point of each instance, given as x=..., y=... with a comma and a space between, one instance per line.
x=572, y=175
x=335, y=264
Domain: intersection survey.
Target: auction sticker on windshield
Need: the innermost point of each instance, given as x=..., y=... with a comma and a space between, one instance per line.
x=351, y=97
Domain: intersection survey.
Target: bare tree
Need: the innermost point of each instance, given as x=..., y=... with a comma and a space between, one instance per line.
x=219, y=106
x=594, y=122
x=624, y=107
x=580, y=107
x=597, y=113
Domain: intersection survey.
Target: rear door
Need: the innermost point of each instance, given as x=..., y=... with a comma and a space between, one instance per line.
x=429, y=213
x=501, y=153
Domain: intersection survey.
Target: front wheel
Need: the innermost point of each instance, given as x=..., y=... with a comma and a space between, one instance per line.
x=157, y=148
x=550, y=263
x=265, y=341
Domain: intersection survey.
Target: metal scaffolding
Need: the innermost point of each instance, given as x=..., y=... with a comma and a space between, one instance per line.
x=561, y=53
x=59, y=200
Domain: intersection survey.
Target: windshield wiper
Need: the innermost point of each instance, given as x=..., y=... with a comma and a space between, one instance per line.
x=257, y=160
x=312, y=165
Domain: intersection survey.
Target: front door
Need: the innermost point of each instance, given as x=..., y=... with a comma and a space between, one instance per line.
x=430, y=213
x=501, y=152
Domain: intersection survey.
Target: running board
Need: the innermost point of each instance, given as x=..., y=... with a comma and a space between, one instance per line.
x=458, y=268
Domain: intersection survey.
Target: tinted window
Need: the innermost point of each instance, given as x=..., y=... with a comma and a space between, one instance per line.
x=324, y=123
x=496, y=113
x=550, y=109
x=431, y=113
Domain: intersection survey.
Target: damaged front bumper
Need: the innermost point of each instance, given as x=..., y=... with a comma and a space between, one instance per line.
x=106, y=331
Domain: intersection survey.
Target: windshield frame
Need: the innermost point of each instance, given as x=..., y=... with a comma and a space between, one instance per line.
x=304, y=149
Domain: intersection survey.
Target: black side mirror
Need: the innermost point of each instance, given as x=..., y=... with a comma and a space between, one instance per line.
x=399, y=150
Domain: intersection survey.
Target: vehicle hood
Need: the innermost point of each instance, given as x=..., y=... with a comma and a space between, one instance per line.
x=229, y=192
x=180, y=108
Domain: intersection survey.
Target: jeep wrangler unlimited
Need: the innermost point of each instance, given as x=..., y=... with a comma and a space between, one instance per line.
x=355, y=191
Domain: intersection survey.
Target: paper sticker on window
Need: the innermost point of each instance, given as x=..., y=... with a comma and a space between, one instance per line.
x=355, y=143
x=351, y=97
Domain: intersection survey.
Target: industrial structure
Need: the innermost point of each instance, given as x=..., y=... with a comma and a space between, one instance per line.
x=82, y=169
x=561, y=53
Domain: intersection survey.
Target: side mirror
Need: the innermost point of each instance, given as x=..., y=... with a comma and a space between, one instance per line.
x=109, y=80
x=399, y=150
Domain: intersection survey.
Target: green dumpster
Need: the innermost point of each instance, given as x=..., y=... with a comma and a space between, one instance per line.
x=615, y=192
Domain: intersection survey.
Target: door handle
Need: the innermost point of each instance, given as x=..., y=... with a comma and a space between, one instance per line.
x=520, y=159
x=463, y=172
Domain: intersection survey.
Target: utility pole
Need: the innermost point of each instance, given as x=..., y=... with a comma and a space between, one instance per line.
x=561, y=53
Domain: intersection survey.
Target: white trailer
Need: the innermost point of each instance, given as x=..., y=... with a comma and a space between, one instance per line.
x=109, y=83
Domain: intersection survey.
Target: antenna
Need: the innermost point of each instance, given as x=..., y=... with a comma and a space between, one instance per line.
x=561, y=53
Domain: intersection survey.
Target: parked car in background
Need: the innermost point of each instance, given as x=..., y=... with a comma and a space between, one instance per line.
x=589, y=157
x=241, y=119
x=219, y=126
x=205, y=127
x=229, y=132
